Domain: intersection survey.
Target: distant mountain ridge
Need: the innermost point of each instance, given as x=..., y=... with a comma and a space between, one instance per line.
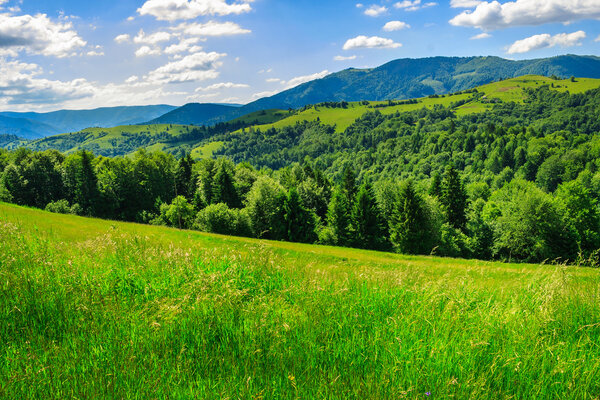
x=32, y=125
x=400, y=79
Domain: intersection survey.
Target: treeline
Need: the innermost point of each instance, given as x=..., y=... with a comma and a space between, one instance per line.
x=517, y=221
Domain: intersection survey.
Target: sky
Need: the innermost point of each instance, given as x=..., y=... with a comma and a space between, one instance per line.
x=74, y=54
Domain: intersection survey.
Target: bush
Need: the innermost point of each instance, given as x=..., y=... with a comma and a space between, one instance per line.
x=219, y=218
x=59, y=207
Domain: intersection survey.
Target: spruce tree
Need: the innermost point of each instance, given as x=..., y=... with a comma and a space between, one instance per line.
x=299, y=221
x=338, y=217
x=366, y=220
x=223, y=186
x=435, y=190
x=454, y=199
x=410, y=230
x=183, y=177
x=349, y=184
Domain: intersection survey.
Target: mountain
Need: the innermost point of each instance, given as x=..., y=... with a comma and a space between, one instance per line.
x=196, y=114
x=45, y=124
x=402, y=79
x=25, y=128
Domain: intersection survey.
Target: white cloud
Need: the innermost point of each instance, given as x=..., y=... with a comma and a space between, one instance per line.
x=274, y=80
x=359, y=5
x=342, y=58
x=172, y=10
x=483, y=35
x=130, y=18
x=375, y=11
x=154, y=38
x=20, y=84
x=38, y=35
x=147, y=51
x=306, y=78
x=597, y=39
x=184, y=46
x=194, y=67
x=545, y=40
x=413, y=5
x=211, y=28
x=395, y=26
x=94, y=53
x=493, y=15
x=223, y=85
x=465, y=3
x=267, y=93
x=132, y=79
x=373, y=42
x=123, y=38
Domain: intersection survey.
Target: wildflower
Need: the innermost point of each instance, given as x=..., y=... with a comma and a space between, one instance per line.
x=427, y=393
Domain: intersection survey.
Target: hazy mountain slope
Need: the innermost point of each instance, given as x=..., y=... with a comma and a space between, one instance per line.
x=399, y=79
x=197, y=114
x=75, y=120
x=25, y=128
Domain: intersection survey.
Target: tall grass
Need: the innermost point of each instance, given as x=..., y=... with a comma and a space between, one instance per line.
x=97, y=309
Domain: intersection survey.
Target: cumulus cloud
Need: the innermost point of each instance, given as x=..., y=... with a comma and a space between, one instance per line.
x=493, y=15
x=154, y=38
x=184, y=46
x=222, y=85
x=20, y=83
x=267, y=93
x=194, y=67
x=375, y=11
x=373, y=42
x=172, y=10
x=413, y=5
x=211, y=28
x=124, y=38
x=545, y=40
x=395, y=26
x=306, y=78
x=483, y=35
x=94, y=53
x=465, y=3
x=147, y=51
x=38, y=34
x=343, y=58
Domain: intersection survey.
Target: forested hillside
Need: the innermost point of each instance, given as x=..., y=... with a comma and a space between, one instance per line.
x=518, y=182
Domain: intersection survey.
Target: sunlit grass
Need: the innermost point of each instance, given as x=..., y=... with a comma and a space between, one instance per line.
x=101, y=309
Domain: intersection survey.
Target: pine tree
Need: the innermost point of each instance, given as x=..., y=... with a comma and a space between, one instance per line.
x=410, y=230
x=435, y=190
x=223, y=186
x=338, y=217
x=349, y=184
x=299, y=221
x=454, y=199
x=366, y=220
x=183, y=177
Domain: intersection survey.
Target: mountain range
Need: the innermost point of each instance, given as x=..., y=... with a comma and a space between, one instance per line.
x=31, y=125
x=398, y=79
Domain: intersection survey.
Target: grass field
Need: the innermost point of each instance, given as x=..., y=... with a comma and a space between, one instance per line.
x=100, y=309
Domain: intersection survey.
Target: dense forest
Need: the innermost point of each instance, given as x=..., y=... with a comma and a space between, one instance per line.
x=520, y=182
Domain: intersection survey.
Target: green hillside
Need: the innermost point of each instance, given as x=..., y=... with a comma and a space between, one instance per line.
x=103, y=309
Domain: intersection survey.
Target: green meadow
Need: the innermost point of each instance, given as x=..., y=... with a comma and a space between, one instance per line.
x=101, y=309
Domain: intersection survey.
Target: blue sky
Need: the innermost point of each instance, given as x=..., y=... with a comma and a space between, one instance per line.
x=75, y=54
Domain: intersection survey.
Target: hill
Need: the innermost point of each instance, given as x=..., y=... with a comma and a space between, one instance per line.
x=408, y=78
x=46, y=124
x=25, y=128
x=159, y=312
x=206, y=141
x=196, y=114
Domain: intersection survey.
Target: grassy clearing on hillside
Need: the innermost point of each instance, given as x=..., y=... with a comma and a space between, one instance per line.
x=100, y=309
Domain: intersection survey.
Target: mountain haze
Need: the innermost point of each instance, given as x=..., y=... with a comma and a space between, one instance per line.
x=399, y=79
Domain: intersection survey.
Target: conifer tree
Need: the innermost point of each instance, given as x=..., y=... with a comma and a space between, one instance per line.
x=454, y=199
x=183, y=177
x=349, y=184
x=223, y=186
x=338, y=217
x=366, y=220
x=299, y=221
x=410, y=230
x=435, y=190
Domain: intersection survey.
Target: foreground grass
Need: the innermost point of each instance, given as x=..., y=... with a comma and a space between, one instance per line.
x=99, y=309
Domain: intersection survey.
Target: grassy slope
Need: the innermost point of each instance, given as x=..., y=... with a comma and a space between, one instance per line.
x=506, y=90
x=100, y=309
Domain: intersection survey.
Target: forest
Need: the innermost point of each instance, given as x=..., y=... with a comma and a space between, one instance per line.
x=518, y=183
